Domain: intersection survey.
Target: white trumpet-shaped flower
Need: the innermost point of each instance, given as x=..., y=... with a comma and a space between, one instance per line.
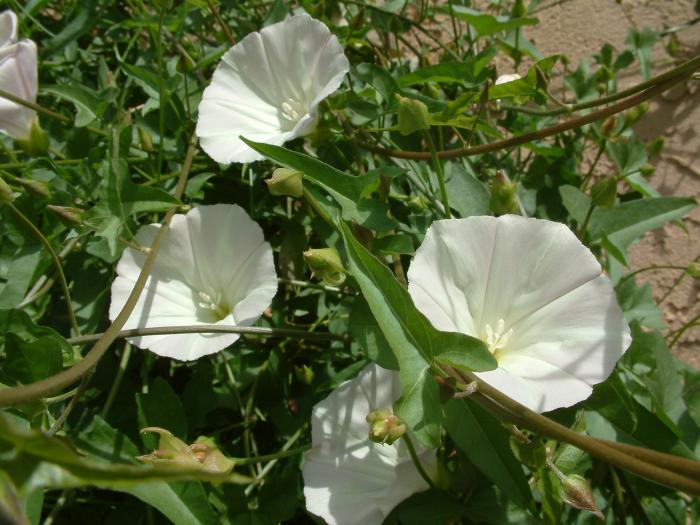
x=268, y=86
x=504, y=79
x=349, y=479
x=18, y=76
x=533, y=293
x=213, y=267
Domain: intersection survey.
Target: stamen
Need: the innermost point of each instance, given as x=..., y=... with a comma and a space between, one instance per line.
x=211, y=300
x=497, y=339
x=292, y=110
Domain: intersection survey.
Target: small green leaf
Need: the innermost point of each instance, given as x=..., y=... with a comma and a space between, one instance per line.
x=87, y=102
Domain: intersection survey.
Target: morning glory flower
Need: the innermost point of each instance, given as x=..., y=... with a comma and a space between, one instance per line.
x=18, y=76
x=268, y=87
x=533, y=293
x=504, y=79
x=213, y=267
x=349, y=479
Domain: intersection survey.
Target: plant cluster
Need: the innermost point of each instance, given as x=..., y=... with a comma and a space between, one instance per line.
x=309, y=262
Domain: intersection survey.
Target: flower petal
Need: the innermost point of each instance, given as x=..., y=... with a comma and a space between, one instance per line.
x=8, y=28
x=18, y=76
x=545, y=285
x=348, y=479
x=215, y=251
x=297, y=61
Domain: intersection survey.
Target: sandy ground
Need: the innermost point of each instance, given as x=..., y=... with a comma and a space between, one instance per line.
x=578, y=28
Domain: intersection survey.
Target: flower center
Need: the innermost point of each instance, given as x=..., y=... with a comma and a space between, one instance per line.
x=211, y=301
x=293, y=110
x=497, y=338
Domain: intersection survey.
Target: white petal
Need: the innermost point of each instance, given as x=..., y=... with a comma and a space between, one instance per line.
x=18, y=76
x=547, y=287
x=8, y=28
x=216, y=250
x=296, y=60
x=347, y=478
x=504, y=79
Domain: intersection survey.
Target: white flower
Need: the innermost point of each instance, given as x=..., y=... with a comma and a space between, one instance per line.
x=268, y=88
x=533, y=293
x=213, y=267
x=18, y=76
x=349, y=479
x=504, y=79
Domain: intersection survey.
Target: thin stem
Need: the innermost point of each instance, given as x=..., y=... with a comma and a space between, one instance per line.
x=224, y=27
x=161, y=96
x=416, y=461
x=25, y=393
x=270, y=457
x=71, y=405
x=440, y=175
x=123, y=364
x=652, y=268
x=56, y=262
x=601, y=449
x=683, y=329
x=308, y=284
x=584, y=227
x=212, y=329
x=535, y=135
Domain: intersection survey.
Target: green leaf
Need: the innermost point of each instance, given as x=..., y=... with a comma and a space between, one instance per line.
x=641, y=43
x=460, y=72
x=32, y=361
x=629, y=221
x=468, y=195
x=414, y=341
x=638, y=304
x=576, y=202
x=143, y=77
x=20, y=271
x=161, y=407
x=346, y=190
x=183, y=503
x=628, y=156
x=87, y=102
x=367, y=333
x=487, y=25
x=486, y=443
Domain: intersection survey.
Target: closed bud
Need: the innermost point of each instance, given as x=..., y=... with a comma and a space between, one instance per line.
x=6, y=195
x=576, y=492
x=503, y=199
x=609, y=125
x=604, y=193
x=145, y=139
x=385, y=427
x=304, y=373
x=37, y=187
x=326, y=264
x=67, y=215
x=693, y=270
x=37, y=144
x=413, y=115
x=418, y=203
x=286, y=181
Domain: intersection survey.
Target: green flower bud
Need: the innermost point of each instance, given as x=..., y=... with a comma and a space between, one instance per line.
x=145, y=139
x=67, y=215
x=304, y=373
x=576, y=491
x=503, y=199
x=38, y=187
x=37, y=144
x=413, y=115
x=418, y=203
x=604, y=193
x=6, y=195
x=693, y=270
x=326, y=264
x=385, y=427
x=286, y=181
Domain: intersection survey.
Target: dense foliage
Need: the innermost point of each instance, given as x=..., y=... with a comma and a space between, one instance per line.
x=418, y=131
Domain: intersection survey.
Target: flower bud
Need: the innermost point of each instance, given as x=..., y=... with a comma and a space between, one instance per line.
x=304, y=373
x=576, y=491
x=418, y=203
x=326, y=264
x=286, y=181
x=37, y=144
x=385, y=427
x=693, y=270
x=503, y=195
x=413, y=115
x=145, y=139
x=68, y=215
x=37, y=187
x=6, y=195
x=604, y=193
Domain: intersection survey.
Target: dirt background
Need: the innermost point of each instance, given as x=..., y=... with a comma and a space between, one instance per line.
x=579, y=28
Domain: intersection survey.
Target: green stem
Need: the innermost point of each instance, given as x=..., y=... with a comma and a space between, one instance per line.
x=123, y=364
x=26, y=393
x=416, y=461
x=584, y=227
x=212, y=329
x=161, y=96
x=535, y=135
x=271, y=457
x=652, y=268
x=683, y=329
x=56, y=262
x=440, y=175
